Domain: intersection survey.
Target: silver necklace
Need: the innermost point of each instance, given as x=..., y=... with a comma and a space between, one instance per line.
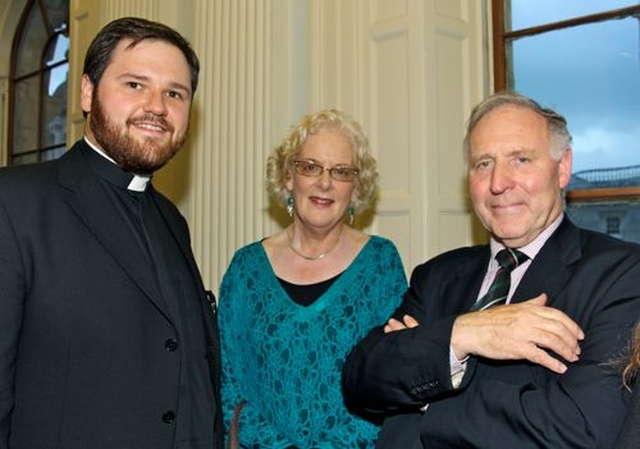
x=311, y=258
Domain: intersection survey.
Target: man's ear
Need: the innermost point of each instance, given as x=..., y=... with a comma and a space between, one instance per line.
x=86, y=94
x=564, y=168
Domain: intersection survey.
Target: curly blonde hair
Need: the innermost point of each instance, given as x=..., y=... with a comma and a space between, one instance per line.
x=280, y=161
x=631, y=363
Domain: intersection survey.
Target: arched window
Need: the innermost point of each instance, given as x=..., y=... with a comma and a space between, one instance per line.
x=38, y=83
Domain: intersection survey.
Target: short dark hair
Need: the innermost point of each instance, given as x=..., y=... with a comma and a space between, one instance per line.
x=137, y=30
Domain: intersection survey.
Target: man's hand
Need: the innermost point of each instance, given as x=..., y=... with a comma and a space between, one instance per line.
x=394, y=325
x=518, y=331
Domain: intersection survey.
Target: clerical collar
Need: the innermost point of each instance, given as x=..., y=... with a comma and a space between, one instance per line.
x=114, y=173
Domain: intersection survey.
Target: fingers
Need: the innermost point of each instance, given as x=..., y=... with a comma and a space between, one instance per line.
x=394, y=325
x=410, y=321
x=543, y=358
x=555, y=331
x=540, y=300
x=524, y=331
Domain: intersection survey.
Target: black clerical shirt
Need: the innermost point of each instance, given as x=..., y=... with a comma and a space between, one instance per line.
x=177, y=290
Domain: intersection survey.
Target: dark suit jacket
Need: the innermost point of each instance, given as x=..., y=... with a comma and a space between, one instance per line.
x=629, y=437
x=593, y=278
x=85, y=359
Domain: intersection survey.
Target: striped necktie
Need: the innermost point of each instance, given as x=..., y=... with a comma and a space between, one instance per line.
x=508, y=259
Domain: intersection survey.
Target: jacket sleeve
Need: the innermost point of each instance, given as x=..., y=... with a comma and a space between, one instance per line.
x=12, y=296
x=508, y=403
x=390, y=373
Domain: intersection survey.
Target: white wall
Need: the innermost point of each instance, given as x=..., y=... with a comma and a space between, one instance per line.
x=409, y=70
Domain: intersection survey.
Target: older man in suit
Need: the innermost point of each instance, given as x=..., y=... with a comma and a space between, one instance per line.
x=108, y=337
x=513, y=352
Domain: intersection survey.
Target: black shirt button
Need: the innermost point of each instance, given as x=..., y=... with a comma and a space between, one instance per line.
x=170, y=345
x=168, y=417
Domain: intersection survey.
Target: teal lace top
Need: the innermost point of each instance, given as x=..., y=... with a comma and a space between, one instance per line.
x=285, y=359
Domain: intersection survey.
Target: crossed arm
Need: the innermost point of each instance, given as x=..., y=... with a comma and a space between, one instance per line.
x=523, y=331
x=547, y=368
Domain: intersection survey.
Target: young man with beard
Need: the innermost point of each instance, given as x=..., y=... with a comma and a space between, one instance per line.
x=108, y=337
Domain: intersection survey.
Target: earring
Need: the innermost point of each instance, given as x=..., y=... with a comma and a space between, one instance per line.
x=351, y=213
x=290, y=206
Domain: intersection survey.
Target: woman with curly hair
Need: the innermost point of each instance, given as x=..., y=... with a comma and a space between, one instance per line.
x=293, y=304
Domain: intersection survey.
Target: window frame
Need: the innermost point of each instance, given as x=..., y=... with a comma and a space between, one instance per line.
x=40, y=73
x=499, y=16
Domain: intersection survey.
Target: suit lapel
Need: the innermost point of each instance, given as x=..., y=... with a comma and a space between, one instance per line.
x=549, y=271
x=468, y=280
x=86, y=196
x=177, y=229
x=207, y=305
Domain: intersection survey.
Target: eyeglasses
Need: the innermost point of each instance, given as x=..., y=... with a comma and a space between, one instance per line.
x=342, y=174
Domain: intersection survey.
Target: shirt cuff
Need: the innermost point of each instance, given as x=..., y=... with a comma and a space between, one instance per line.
x=457, y=368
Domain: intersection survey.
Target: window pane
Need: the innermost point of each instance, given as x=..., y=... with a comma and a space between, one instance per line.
x=52, y=154
x=32, y=43
x=57, y=51
x=25, y=159
x=618, y=219
x=25, y=115
x=530, y=13
x=58, y=13
x=591, y=74
x=54, y=108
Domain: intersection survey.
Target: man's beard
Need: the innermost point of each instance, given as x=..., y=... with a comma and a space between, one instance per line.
x=143, y=158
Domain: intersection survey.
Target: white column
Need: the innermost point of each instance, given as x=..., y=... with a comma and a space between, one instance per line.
x=227, y=201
